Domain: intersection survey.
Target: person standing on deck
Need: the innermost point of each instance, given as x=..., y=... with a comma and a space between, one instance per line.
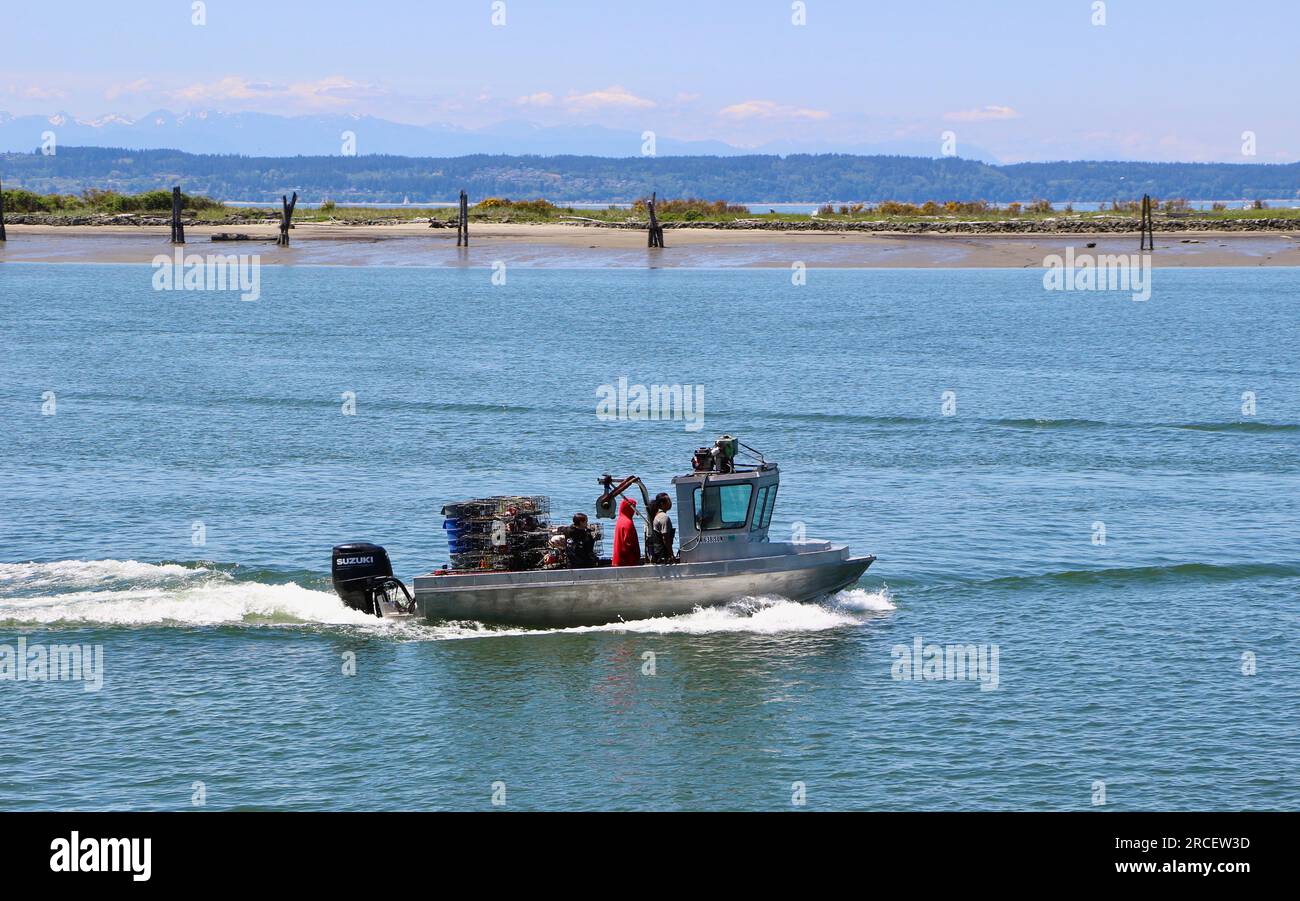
x=627, y=548
x=659, y=540
x=651, y=542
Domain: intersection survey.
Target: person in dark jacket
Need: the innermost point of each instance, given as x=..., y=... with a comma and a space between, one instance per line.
x=660, y=534
x=627, y=549
x=651, y=543
x=580, y=545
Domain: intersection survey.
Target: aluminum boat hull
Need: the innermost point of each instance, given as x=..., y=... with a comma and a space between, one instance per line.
x=581, y=597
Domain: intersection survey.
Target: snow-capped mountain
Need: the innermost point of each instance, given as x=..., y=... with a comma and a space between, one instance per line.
x=262, y=134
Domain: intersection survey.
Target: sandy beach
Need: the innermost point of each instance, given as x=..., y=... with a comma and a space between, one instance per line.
x=573, y=246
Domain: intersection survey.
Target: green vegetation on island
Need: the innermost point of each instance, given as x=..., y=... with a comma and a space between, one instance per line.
x=95, y=201
x=108, y=207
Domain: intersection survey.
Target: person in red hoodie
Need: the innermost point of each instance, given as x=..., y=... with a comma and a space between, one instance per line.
x=627, y=549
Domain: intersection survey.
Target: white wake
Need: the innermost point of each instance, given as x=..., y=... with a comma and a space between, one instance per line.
x=759, y=615
x=92, y=573
x=130, y=593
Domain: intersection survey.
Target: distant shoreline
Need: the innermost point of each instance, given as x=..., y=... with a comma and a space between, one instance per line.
x=580, y=246
x=819, y=177
x=1096, y=224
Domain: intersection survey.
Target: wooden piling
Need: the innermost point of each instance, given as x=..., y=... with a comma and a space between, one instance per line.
x=178, y=229
x=2, y=213
x=286, y=219
x=462, y=223
x=656, y=230
x=1147, y=236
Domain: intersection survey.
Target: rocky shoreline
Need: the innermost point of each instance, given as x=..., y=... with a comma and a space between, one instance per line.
x=1072, y=226
x=1059, y=225
x=1038, y=227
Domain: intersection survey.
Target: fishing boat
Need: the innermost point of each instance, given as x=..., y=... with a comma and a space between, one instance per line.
x=725, y=553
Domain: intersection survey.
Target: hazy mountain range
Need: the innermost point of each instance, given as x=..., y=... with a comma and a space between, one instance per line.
x=261, y=134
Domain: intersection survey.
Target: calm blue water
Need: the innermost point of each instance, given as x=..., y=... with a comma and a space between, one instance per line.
x=186, y=417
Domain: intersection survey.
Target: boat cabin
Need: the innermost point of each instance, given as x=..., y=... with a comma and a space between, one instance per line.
x=726, y=515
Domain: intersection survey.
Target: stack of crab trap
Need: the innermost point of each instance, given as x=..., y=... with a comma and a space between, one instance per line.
x=503, y=533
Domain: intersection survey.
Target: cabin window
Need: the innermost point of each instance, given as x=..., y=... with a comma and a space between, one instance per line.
x=723, y=506
x=764, y=517
x=758, y=508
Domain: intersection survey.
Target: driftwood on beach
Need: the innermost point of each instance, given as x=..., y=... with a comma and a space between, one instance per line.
x=462, y=221
x=178, y=228
x=656, y=230
x=1147, y=235
x=286, y=219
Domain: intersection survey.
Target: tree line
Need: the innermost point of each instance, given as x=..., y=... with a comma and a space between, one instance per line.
x=796, y=178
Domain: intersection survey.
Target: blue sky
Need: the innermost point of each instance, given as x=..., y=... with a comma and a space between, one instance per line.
x=1161, y=79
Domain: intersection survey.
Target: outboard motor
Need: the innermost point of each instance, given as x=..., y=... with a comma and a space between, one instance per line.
x=363, y=578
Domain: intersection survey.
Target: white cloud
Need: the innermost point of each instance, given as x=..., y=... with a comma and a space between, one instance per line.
x=139, y=86
x=230, y=88
x=982, y=114
x=36, y=92
x=331, y=92
x=614, y=96
x=541, y=98
x=770, y=109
